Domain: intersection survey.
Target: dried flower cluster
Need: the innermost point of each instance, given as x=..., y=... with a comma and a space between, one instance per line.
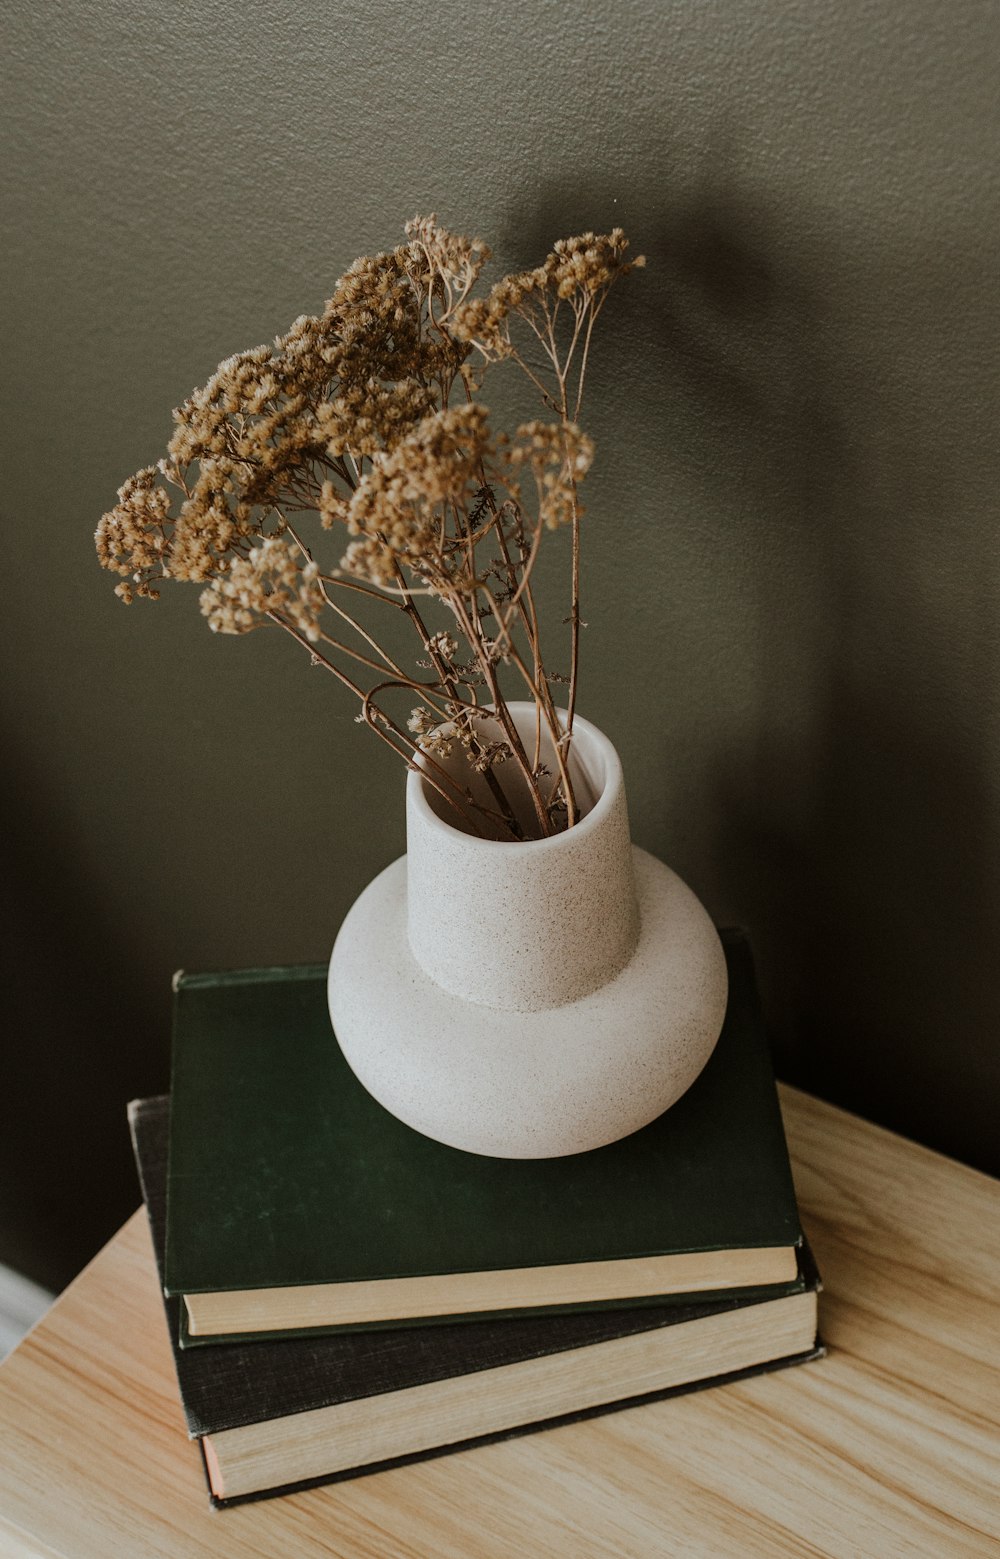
x=367, y=416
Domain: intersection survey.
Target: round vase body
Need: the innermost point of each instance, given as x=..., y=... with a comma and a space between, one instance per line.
x=528, y=1000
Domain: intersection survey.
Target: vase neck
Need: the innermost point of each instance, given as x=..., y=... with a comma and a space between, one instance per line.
x=524, y=926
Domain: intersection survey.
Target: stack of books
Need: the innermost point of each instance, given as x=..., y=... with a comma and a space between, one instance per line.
x=345, y=1295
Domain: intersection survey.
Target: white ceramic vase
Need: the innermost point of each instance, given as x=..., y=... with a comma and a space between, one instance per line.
x=527, y=1000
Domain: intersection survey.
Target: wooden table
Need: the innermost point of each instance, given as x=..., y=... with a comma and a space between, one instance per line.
x=889, y=1446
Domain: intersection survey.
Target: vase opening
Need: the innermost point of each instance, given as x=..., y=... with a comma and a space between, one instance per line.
x=588, y=772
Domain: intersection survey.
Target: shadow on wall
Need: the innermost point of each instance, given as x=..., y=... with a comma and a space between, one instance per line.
x=70, y=974
x=873, y=885
x=890, y=1004
x=859, y=833
x=851, y=824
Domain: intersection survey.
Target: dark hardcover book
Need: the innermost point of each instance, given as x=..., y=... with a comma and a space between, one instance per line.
x=272, y=1416
x=295, y=1201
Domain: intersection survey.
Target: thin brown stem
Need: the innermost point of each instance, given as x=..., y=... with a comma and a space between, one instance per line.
x=523, y=595
x=424, y=760
x=383, y=725
x=558, y=737
x=344, y=583
x=346, y=617
x=450, y=683
x=505, y=719
x=536, y=681
x=476, y=641
x=591, y=316
x=574, y=669
x=539, y=386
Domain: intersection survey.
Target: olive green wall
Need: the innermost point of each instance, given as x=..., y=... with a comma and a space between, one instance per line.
x=791, y=569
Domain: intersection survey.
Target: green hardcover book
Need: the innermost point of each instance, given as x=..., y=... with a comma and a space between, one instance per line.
x=296, y=1203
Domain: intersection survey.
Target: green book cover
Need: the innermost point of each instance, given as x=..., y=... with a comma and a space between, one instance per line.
x=283, y=1171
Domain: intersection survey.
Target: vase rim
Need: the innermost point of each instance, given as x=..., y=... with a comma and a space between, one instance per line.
x=611, y=781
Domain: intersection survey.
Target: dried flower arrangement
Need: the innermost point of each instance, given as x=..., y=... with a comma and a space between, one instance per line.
x=367, y=416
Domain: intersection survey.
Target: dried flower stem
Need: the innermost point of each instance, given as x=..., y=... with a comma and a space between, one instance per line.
x=378, y=721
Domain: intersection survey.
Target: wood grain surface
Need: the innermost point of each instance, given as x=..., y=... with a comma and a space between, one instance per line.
x=889, y=1446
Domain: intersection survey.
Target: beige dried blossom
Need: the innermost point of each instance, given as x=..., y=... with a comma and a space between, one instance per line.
x=202, y=541
x=372, y=560
x=449, y=258
x=272, y=579
x=589, y=264
x=578, y=269
x=489, y=755
x=332, y=506
x=134, y=537
x=443, y=645
x=249, y=427
x=379, y=313
x=485, y=322
x=399, y=502
x=559, y=457
x=433, y=737
x=369, y=418
x=308, y=351
x=421, y=721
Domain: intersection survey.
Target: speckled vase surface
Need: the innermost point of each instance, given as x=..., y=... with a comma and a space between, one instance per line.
x=528, y=1000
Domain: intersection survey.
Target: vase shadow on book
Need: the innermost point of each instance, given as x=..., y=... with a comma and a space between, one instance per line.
x=528, y=999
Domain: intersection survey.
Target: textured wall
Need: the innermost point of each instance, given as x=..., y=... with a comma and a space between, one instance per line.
x=791, y=563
